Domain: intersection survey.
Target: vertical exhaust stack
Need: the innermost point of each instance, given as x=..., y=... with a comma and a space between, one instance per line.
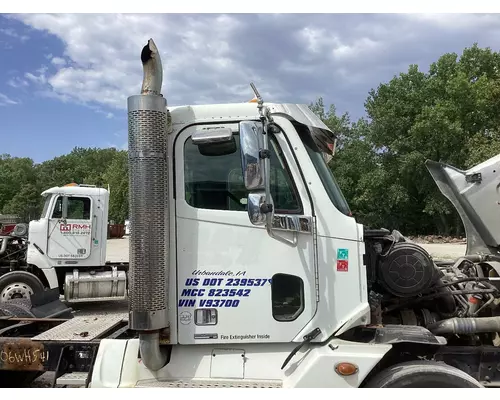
x=148, y=199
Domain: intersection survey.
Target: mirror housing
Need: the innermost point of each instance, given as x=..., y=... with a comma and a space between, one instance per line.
x=256, y=168
x=214, y=142
x=259, y=200
x=252, y=165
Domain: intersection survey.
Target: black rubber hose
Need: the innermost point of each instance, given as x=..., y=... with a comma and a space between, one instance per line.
x=465, y=326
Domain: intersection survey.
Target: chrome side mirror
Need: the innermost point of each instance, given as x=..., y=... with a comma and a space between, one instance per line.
x=255, y=163
x=252, y=165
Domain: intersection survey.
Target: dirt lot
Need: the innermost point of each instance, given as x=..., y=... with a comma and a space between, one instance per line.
x=118, y=251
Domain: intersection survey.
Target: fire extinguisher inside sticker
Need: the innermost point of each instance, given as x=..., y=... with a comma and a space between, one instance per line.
x=342, y=254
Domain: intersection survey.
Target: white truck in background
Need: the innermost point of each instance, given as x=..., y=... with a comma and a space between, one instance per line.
x=247, y=268
x=65, y=248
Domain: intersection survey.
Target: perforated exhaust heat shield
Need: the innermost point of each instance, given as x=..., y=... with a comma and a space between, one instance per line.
x=148, y=199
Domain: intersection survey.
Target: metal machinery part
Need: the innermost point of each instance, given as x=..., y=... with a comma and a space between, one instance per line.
x=406, y=270
x=147, y=121
x=20, y=230
x=148, y=183
x=95, y=286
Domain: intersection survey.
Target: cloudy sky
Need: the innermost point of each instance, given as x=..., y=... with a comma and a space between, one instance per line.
x=64, y=79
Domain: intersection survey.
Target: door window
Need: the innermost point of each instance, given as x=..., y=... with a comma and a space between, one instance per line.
x=78, y=208
x=215, y=182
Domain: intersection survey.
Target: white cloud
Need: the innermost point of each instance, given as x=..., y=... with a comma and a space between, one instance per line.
x=17, y=83
x=7, y=101
x=40, y=78
x=58, y=61
x=456, y=21
x=213, y=58
x=107, y=67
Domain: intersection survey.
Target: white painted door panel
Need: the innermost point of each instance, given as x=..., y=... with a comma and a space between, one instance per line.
x=225, y=263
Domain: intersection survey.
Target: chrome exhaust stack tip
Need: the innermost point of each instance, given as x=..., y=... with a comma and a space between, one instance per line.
x=148, y=208
x=153, y=70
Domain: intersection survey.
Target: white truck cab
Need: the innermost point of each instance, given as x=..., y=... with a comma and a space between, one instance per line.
x=66, y=249
x=235, y=288
x=227, y=261
x=247, y=268
x=72, y=228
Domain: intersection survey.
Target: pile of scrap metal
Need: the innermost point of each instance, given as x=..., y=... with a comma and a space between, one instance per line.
x=13, y=245
x=24, y=318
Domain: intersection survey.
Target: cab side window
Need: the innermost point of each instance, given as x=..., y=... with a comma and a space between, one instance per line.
x=78, y=208
x=215, y=182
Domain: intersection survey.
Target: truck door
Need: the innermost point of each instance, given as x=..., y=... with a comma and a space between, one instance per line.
x=225, y=264
x=69, y=234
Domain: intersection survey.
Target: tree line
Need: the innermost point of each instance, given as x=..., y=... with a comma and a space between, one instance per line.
x=449, y=113
x=22, y=181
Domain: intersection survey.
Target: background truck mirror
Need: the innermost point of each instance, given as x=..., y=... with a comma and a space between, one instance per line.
x=64, y=207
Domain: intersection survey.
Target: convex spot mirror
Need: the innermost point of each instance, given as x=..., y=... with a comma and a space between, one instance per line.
x=215, y=141
x=254, y=203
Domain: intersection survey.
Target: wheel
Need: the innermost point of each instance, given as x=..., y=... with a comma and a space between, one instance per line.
x=422, y=374
x=19, y=285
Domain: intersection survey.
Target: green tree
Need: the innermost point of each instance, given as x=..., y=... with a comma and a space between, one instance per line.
x=15, y=174
x=116, y=176
x=449, y=114
x=22, y=181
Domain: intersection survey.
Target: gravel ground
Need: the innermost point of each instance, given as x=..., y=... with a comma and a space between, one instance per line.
x=117, y=250
x=445, y=251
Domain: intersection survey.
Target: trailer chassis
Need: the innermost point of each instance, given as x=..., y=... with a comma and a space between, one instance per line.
x=53, y=339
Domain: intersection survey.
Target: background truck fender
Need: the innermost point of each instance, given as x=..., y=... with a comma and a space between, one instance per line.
x=40, y=261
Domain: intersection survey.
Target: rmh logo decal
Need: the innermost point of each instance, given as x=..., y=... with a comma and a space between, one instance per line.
x=65, y=227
